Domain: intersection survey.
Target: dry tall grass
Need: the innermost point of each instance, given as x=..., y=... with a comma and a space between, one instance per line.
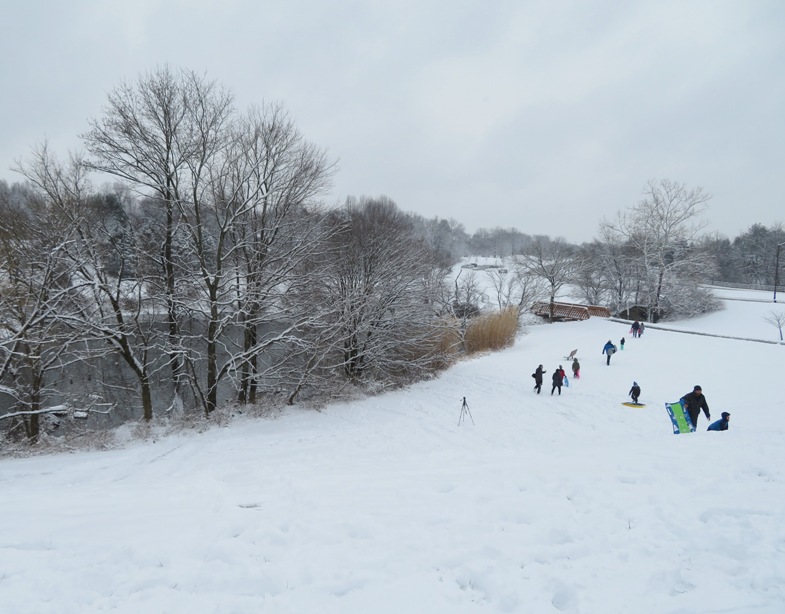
x=493, y=331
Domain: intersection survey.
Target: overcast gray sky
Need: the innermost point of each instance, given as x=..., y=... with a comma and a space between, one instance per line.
x=543, y=116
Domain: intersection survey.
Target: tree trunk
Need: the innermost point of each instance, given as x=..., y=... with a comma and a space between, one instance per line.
x=212, y=359
x=147, y=398
x=171, y=309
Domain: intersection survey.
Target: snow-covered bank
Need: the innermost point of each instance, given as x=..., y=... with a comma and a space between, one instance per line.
x=568, y=503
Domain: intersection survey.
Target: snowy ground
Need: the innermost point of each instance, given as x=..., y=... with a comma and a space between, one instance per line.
x=570, y=503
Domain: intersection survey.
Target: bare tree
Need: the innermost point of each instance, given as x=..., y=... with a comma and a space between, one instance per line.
x=591, y=279
x=377, y=284
x=250, y=229
x=467, y=295
x=777, y=319
x=110, y=303
x=516, y=288
x=239, y=198
x=553, y=261
x=609, y=275
x=503, y=284
x=662, y=229
x=160, y=135
x=35, y=287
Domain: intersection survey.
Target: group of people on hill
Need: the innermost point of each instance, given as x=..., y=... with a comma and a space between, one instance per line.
x=693, y=402
x=559, y=377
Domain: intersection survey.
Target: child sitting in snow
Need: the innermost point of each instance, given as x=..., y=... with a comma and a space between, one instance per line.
x=721, y=424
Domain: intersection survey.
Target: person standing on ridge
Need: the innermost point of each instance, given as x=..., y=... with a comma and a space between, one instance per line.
x=693, y=403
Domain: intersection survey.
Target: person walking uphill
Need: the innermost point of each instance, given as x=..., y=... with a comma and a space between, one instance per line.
x=558, y=380
x=537, y=375
x=576, y=368
x=609, y=349
x=693, y=402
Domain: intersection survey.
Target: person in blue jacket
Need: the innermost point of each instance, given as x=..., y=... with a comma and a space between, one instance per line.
x=721, y=424
x=609, y=349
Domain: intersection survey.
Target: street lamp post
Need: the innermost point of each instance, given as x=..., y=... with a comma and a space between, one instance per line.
x=777, y=270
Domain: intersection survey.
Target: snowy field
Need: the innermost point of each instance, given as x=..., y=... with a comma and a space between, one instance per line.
x=570, y=503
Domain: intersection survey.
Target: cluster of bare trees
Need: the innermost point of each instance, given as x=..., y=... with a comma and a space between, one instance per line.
x=211, y=274
x=650, y=262
x=650, y=258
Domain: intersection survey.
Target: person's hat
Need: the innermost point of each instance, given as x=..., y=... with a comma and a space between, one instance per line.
x=697, y=388
x=634, y=383
x=725, y=414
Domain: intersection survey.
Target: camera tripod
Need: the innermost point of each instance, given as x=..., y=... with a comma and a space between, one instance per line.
x=465, y=412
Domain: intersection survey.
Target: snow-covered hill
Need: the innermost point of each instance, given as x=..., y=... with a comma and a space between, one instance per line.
x=570, y=503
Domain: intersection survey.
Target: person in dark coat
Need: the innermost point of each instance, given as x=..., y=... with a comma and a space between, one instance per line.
x=635, y=392
x=636, y=326
x=576, y=368
x=694, y=402
x=621, y=343
x=537, y=375
x=558, y=380
x=721, y=424
x=609, y=349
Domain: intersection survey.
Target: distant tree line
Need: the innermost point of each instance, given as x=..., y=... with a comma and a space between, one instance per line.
x=747, y=259
x=207, y=270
